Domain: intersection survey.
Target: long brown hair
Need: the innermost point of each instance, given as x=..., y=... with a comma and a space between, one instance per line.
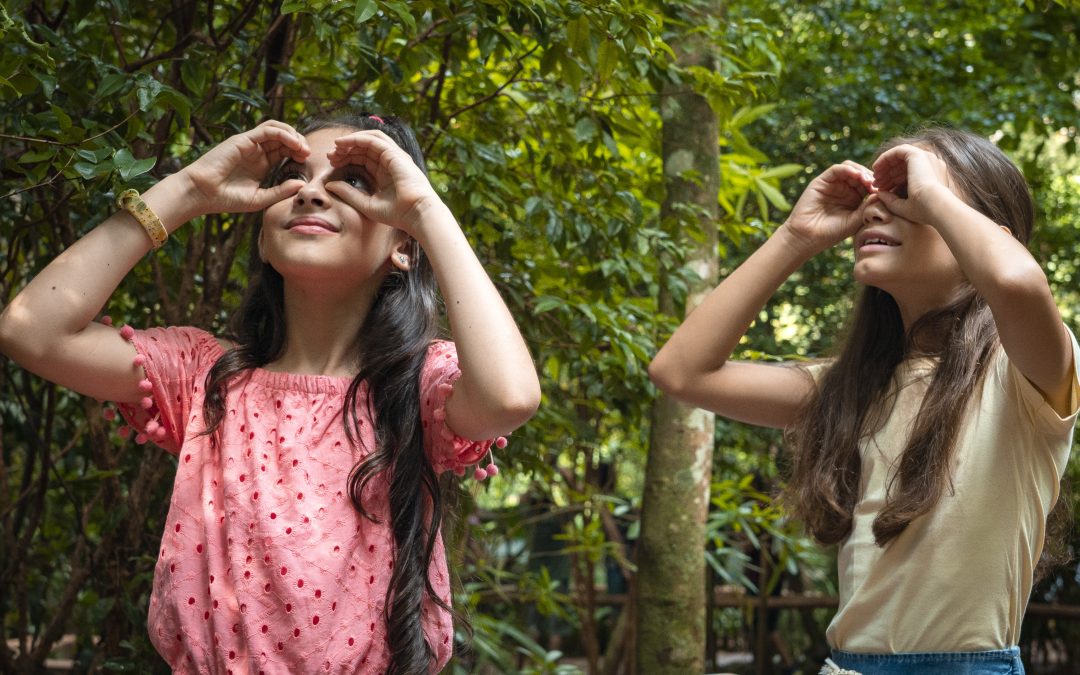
x=852, y=400
x=391, y=349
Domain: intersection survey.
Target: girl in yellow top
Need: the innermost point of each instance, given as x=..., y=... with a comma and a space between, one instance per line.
x=931, y=448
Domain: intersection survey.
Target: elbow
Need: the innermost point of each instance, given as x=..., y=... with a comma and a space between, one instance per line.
x=519, y=406
x=666, y=376
x=13, y=333
x=1020, y=282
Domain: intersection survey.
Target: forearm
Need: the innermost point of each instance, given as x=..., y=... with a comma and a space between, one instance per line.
x=996, y=263
x=66, y=296
x=499, y=383
x=1015, y=288
x=708, y=336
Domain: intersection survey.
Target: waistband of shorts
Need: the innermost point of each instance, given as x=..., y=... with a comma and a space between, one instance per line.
x=914, y=658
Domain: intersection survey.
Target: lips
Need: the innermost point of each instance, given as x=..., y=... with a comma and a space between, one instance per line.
x=874, y=238
x=311, y=225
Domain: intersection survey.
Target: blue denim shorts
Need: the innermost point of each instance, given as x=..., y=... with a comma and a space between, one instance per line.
x=997, y=662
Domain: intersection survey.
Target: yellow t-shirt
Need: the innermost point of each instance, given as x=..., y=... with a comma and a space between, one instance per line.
x=958, y=578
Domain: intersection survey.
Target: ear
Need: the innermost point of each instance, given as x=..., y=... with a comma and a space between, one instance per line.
x=399, y=255
x=262, y=254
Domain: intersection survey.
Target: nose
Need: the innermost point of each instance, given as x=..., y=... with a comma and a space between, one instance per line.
x=874, y=211
x=313, y=193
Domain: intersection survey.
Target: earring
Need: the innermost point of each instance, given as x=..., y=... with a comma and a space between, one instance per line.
x=403, y=259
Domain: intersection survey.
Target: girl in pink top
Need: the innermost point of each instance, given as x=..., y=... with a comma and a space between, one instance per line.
x=303, y=530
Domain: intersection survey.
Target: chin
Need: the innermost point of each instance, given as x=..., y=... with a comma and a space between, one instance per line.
x=867, y=275
x=864, y=273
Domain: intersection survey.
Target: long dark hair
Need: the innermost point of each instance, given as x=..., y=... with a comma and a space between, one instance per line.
x=391, y=348
x=852, y=401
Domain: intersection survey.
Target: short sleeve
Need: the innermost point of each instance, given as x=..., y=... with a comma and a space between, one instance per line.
x=172, y=364
x=447, y=450
x=1041, y=414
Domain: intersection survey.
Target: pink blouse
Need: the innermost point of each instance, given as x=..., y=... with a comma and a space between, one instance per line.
x=265, y=566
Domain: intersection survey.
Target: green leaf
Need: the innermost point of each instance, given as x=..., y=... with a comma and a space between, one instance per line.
x=128, y=166
x=88, y=170
x=402, y=11
x=748, y=114
x=36, y=155
x=110, y=84
x=547, y=304
x=577, y=35
x=773, y=195
x=62, y=118
x=608, y=58
x=782, y=171
x=147, y=91
x=364, y=10
x=193, y=75
x=585, y=130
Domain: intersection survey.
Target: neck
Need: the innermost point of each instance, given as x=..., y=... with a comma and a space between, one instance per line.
x=917, y=302
x=930, y=336
x=321, y=327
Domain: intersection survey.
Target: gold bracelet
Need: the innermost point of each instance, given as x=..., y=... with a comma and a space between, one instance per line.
x=130, y=201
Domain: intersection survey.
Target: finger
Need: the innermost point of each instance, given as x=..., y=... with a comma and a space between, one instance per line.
x=286, y=136
x=283, y=126
x=363, y=147
x=357, y=199
x=889, y=176
x=866, y=176
x=848, y=179
x=265, y=197
x=894, y=161
x=896, y=204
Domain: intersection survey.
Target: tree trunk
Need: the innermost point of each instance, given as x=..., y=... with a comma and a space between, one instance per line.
x=671, y=576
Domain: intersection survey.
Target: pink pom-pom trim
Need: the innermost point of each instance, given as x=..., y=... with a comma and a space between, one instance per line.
x=147, y=403
x=109, y=414
x=492, y=470
x=480, y=474
x=439, y=415
x=140, y=438
x=446, y=387
x=159, y=435
x=152, y=426
x=127, y=332
x=106, y=320
x=123, y=432
x=139, y=360
x=145, y=385
x=500, y=442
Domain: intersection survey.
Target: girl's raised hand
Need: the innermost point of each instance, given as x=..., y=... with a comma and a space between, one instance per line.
x=908, y=179
x=829, y=210
x=398, y=191
x=229, y=177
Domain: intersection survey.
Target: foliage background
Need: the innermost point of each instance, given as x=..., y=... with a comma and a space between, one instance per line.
x=540, y=123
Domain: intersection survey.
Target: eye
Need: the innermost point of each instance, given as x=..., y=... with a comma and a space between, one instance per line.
x=289, y=174
x=358, y=181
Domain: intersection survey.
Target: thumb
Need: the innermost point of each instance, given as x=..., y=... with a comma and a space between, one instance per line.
x=898, y=205
x=265, y=197
x=358, y=199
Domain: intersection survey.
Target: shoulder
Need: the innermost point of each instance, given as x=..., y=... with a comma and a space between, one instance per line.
x=1005, y=379
x=813, y=368
x=189, y=335
x=179, y=343
x=441, y=354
